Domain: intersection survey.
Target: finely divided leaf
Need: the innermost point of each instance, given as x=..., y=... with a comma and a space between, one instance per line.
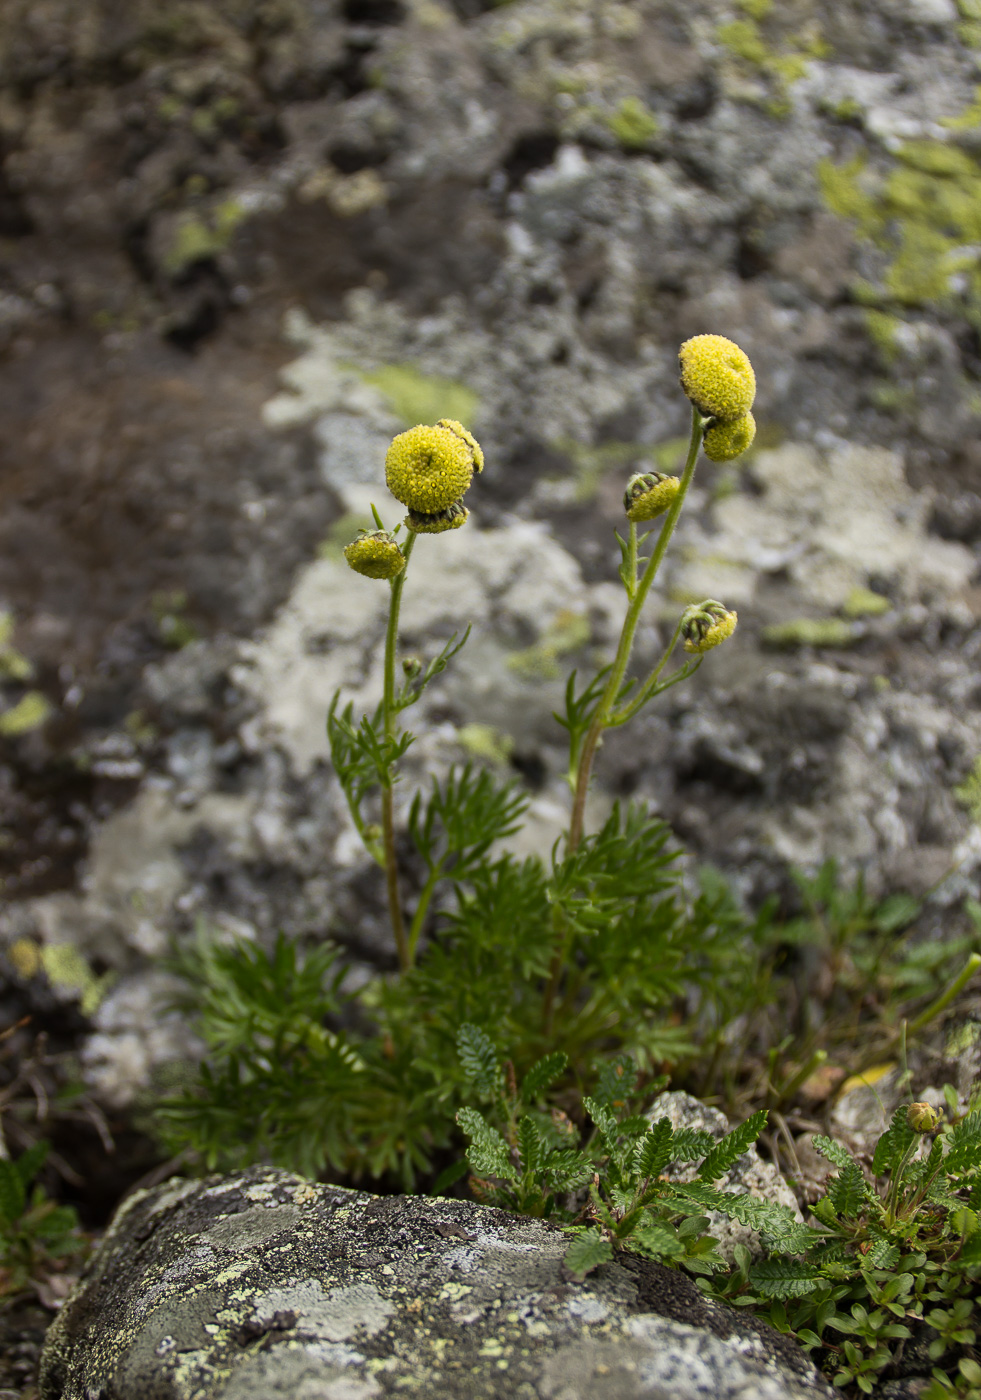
x=847, y=1191
x=783, y=1278
x=478, y=1057
x=530, y=1145
x=833, y=1151
x=602, y=1117
x=543, y=1073
x=616, y=1082
x=586, y=1252
x=732, y=1147
x=691, y=1144
x=488, y=1153
x=654, y=1151
x=892, y=1144
x=777, y=1223
x=965, y=1144
x=567, y=1169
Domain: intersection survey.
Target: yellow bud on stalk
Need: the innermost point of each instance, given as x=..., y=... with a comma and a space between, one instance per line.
x=427, y=469
x=435, y=523
x=723, y=441
x=648, y=495
x=717, y=377
x=922, y=1118
x=375, y=554
x=705, y=625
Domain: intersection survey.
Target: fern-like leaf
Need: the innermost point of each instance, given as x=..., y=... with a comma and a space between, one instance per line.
x=691, y=1144
x=488, y=1153
x=654, y=1152
x=617, y=1081
x=13, y=1196
x=783, y=1278
x=892, y=1144
x=832, y=1151
x=776, y=1223
x=587, y=1250
x=965, y=1144
x=530, y=1145
x=543, y=1073
x=728, y=1151
x=847, y=1190
x=478, y=1059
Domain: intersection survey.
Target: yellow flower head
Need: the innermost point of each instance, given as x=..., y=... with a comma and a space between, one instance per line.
x=723, y=441
x=468, y=438
x=649, y=494
x=427, y=469
x=717, y=376
x=435, y=522
x=705, y=625
x=375, y=554
x=922, y=1118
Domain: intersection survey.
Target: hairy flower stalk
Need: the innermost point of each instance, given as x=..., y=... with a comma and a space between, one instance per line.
x=387, y=795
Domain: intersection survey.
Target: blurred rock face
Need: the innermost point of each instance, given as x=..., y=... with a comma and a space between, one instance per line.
x=242, y=245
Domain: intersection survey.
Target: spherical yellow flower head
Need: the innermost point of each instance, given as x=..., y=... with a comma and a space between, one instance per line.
x=705, y=625
x=427, y=469
x=922, y=1118
x=717, y=376
x=375, y=554
x=434, y=523
x=723, y=441
x=649, y=494
x=468, y=438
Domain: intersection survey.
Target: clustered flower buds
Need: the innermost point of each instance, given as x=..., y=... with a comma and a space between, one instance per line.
x=719, y=380
x=705, y=625
x=429, y=469
x=922, y=1118
x=649, y=494
x=375, y=554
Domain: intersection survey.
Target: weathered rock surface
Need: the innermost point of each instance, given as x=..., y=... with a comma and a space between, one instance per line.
x=262, y=1284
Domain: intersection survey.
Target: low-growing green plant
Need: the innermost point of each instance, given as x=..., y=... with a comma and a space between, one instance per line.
x=36, y=1234
x=586, y=952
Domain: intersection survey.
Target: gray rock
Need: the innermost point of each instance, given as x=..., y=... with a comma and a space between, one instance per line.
x=262, y=1284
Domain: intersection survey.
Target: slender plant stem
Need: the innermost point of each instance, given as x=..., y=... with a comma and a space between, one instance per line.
x=947, y=996
x=637, y=594
x=619, y=669
x=388, y=801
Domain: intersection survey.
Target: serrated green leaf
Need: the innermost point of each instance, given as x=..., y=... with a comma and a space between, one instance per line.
x=691, y=1144
x=602, y=1116
x=783, y=1278
x=29, y=1163
x=586, y=1251
x=617, y=1081
x=728, y=1151
x=478, y=1059
x=543, y=1073
x=656, y=1240
x=530, y=1145
x=965, y=1144
x=832, y=1151
x=892, y=1144
x=654, y=1151
x=778, y=1224
x=847, y=1190
x=567, y=1169
x=488, y=1153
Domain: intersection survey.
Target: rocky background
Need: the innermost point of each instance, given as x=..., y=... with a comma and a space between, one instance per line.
x=244, y=242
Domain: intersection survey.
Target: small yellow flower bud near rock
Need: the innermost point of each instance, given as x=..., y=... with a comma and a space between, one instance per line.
x=427, y=469
x=717, y=376
x=375, y=554
x=922, y=1118
x=723, y=441
x=468, y=438
x=705, y=625
x=649, y=494
x=435, y=522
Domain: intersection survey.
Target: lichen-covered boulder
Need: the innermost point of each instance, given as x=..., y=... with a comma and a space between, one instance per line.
x=262, y=1284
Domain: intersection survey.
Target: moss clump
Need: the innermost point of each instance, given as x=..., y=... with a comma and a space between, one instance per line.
x=810, y=632
x=633, y=124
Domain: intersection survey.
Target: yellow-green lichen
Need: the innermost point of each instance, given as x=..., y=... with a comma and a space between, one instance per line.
x=14, y=666
x=783, y=66
x=633, y=124
x=485, y=742
x=30, y=712
x=968, y=793
x=862, y=602
x=569, y=631
x=415, y=397
x=199, y=239
x=810, y=632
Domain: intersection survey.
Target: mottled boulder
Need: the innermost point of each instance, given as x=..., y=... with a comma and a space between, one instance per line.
x=262, y=1284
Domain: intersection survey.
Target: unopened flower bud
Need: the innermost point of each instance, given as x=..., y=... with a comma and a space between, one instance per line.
x=451, y=518
x=411, y=665
x=427, y=469
x=717, y=377
x=723, y=441
x=649, y=494
x=705, y=625
x=375, y=554
x=922, y=1118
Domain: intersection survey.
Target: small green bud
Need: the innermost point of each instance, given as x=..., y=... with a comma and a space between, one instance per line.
x=723, y=441
x=451, y=518
x=705, y=625
x=649, y=494
x=427, y=469
x=375, y=554
x=411, y=665
x=717, y=376
x=922, y=1118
